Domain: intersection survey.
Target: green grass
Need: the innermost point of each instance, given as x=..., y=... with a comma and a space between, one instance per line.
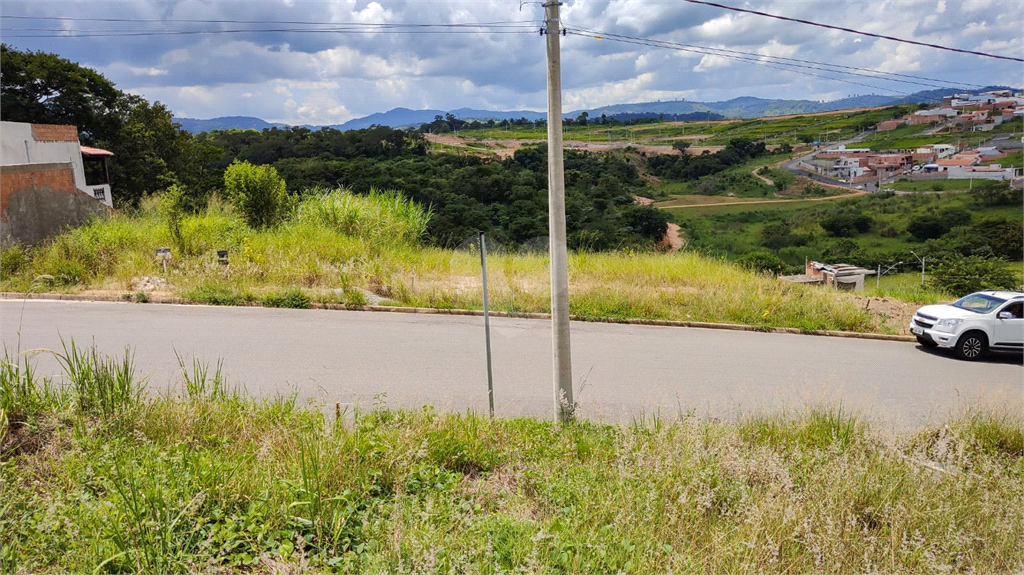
x=329, y=250
x=210, y=480
x=931, y=185
x=1014, y=160
x=780, y=206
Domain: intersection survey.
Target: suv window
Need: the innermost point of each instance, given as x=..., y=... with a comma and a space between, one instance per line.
x=979, y=303
x=1017, y=309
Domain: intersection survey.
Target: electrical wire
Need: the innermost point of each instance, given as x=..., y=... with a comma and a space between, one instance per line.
x=497, y=27
x=871, y=73
x=852, y=31
x=776, y=65
x=260, y=31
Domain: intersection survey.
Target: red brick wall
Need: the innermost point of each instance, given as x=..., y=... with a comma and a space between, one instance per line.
x=54, y=133
x=13, y=179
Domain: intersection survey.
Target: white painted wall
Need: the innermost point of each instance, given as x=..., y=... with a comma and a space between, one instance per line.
x=962, y=173
x=17, y=146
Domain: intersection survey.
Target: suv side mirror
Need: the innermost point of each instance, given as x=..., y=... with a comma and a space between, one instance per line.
x=1005, y=315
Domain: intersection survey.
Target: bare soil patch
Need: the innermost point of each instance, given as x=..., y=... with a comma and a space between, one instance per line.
x=889, y=315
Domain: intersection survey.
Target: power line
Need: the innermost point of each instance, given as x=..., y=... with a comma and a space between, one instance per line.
x=794, y=62
x=64, y=34
x=941, y=82
x=852, y=31
x=760, y=62
x=290, y=22
x=498, y=27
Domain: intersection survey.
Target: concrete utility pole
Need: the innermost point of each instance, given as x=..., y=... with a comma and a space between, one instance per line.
x=562, y=360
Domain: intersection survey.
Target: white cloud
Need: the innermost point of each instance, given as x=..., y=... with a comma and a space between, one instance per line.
x=330, y=77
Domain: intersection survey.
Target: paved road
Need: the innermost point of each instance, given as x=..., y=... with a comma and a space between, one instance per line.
x=415, y=360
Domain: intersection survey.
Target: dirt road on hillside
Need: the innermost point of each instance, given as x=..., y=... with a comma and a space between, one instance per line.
x=756, y=202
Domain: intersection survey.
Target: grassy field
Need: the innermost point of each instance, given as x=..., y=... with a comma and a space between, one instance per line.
x=331, y=253
x=102, y=478
x=774, y=205
x=1010, y=160
x=737, y=229
x=832, y=127
x=932, y=185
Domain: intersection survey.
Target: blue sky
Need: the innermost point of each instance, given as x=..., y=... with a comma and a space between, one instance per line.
x=330, y=77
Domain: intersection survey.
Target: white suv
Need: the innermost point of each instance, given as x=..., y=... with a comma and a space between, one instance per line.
x=974, y=324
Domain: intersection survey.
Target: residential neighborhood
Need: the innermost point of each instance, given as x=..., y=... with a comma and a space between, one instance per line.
x=958, y=113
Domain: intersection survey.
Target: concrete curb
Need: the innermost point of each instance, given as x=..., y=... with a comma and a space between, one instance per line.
x=474, y=312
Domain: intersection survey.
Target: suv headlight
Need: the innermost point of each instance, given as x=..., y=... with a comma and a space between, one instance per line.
x=948, y=322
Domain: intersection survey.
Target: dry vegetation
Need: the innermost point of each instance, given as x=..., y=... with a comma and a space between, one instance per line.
x=332, y=249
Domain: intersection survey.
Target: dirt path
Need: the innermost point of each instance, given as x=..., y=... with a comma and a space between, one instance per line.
x=764, y=179
x=753, y=203
x=672, y=240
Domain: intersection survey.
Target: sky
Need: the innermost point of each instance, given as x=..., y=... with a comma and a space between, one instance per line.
x=372, y=61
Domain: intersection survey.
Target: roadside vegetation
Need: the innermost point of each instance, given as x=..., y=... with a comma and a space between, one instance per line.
x=100, y=477
x=343, y=248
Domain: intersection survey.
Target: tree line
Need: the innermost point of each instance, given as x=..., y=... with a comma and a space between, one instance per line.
x=507, y=199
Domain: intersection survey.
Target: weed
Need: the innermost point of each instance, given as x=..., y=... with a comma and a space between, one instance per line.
x=293, y=298
x=102, y=385
x=210, y=481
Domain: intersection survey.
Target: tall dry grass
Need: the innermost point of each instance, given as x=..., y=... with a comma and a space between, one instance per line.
x=338, y=243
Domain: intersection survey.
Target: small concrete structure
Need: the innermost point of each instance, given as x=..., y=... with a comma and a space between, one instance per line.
x=839, y=276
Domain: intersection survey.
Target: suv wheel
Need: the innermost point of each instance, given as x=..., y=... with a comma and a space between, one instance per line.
x=926, y=341
x=972, y=345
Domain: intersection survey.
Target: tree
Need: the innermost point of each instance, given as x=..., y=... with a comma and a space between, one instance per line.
x=680, y=146
x=764, y=262
x=44, y=88
x=845, y=251
x=582, y=118
x=646, y=221
x=844, y=225
x=258, y=193
x=961, y=275
x=992, y=193
x=151, y=152
x=780, y=235
x=930, y=226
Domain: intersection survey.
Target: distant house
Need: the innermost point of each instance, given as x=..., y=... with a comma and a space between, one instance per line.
x=43, y=183
x=959, y=161
x=995, y=172
x=890, y=163
x=848, y=168
x=932, y=116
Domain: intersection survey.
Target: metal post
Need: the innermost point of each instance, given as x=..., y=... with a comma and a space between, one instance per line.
x=487, y=326
x=878, y=278
x=562, y=362
x=922, y=272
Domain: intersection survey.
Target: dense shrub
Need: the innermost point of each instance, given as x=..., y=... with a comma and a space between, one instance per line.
x=845, y=224
x=930, y=226
x=961, y=275
x=765, y=262
x=257, y=192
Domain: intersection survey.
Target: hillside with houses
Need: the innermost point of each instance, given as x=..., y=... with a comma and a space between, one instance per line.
x=966, y=137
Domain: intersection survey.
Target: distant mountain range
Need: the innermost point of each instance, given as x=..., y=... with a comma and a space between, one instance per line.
x=745, y=107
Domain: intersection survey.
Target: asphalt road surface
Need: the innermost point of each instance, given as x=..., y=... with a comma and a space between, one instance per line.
x=621, y=371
